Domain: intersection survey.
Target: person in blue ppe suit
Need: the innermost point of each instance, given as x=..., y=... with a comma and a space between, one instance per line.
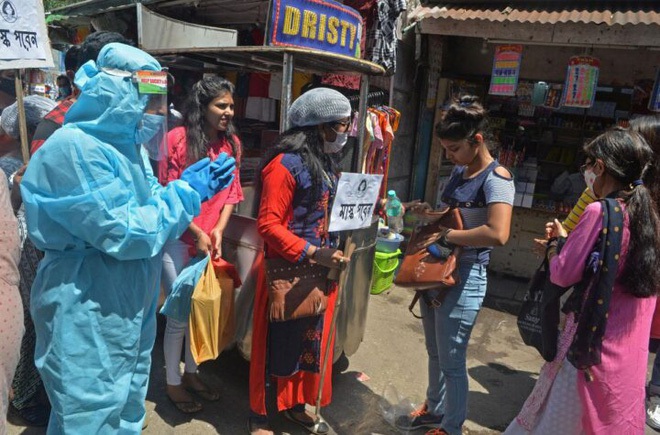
x=96, y=210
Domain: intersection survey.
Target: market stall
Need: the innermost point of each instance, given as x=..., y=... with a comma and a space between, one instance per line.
x=554, y=84
x=271, y=51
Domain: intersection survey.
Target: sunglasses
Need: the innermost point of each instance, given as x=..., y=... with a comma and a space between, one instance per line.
x=586, y=165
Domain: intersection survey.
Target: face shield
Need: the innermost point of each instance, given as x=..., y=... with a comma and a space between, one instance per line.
x=151, y=131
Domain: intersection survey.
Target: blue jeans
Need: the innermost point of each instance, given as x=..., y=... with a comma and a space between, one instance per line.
x=447, y=331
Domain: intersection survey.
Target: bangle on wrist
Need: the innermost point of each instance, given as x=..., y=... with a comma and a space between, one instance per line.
x=443, y=239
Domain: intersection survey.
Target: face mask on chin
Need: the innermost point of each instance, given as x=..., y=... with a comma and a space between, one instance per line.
x=336, y=145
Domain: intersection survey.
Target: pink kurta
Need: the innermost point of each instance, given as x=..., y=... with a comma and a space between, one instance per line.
x=613, y=402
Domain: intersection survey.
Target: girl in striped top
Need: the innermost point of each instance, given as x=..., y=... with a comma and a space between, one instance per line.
x=483, y=191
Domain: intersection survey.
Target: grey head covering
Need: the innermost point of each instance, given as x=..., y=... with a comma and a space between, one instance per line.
x=318, y=106
x=36, y=107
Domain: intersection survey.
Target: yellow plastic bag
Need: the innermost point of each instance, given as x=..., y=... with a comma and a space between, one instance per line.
x=227, y=323
x=205, y=317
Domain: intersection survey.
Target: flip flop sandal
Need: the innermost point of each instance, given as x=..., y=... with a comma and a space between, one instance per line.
x=187, y=406
x=318, y=427
x=205, y=393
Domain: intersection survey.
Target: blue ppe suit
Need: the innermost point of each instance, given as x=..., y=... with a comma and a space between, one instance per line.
x=95, y=208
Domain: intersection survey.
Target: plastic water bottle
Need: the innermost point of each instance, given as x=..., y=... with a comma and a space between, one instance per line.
x=394, y=212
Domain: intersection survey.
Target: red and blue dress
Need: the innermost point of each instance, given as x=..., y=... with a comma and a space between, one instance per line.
x=292, y=215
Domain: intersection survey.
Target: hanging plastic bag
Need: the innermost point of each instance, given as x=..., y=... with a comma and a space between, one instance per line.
x=229, y=280
x=177, y=303
x=205, y=317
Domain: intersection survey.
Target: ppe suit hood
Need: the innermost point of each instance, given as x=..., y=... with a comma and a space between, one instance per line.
x=109, y=107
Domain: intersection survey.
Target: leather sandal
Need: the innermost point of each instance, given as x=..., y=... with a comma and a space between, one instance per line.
x=318, y=427
x=186, y=406
x=205, y=393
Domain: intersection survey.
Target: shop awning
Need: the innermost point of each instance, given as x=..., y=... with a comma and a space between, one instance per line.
x=579, y=22
x=545, y=13
x=218, y=12
x=264, y=58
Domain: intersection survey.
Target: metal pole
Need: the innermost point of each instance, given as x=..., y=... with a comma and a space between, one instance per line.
x=358, y=162
x=285, y=102
x=22, y=124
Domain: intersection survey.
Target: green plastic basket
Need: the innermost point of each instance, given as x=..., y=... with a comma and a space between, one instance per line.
x=385, y=263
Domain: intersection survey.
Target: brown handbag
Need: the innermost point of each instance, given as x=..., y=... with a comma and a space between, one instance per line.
x=421, y=270
x=295, y=290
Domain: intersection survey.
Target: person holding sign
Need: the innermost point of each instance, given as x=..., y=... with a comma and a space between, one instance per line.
x=297, y=183
x=483, y=192
x=95, y=208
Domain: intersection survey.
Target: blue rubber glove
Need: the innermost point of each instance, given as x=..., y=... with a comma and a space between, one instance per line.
x=222, y=172
x=198, y=176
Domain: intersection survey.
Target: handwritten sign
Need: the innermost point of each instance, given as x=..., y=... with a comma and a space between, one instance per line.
x=355, y=201
x=23, y=35
x=581, y=82
x=319, y=24
x=506, y=68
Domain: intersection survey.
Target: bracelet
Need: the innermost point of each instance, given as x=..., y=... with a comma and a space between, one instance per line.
x=443, y=239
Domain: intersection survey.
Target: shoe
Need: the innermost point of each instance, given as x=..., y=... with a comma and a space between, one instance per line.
x=417, y=419
x=186, y=406
x=437, y=432
x=653, y=412
x=318, y=427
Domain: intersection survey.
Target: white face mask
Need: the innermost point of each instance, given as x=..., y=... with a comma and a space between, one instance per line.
x=590, y=179
x=336, y=145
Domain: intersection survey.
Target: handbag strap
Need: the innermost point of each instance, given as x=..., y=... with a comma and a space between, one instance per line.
x=433, y=303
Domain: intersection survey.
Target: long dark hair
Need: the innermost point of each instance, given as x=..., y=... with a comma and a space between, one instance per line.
x=627, y=156
x=465, y=118
x=201, y=94
x=308, y=144
x=649, y=128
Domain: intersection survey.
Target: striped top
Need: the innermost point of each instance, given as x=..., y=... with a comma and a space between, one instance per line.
x=472, y=196
x=573, y=217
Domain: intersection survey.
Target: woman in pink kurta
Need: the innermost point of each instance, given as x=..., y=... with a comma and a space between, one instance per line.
x=599, y=388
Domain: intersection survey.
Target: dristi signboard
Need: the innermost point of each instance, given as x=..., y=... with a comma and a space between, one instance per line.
x=319, y=24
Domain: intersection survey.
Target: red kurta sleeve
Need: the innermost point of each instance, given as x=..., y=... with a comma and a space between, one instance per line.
x=275, y=210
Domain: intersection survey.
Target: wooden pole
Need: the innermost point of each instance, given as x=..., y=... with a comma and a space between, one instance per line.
x=22, y=124
x=348, y=252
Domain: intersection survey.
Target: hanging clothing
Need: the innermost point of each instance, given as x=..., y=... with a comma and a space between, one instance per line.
x=290, y=218
x=96, y=210
x=383, y=34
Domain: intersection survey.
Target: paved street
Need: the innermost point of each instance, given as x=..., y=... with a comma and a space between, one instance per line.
x=502, y=372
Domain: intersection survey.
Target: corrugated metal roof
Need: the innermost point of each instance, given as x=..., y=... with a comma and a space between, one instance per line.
x=557, y=12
